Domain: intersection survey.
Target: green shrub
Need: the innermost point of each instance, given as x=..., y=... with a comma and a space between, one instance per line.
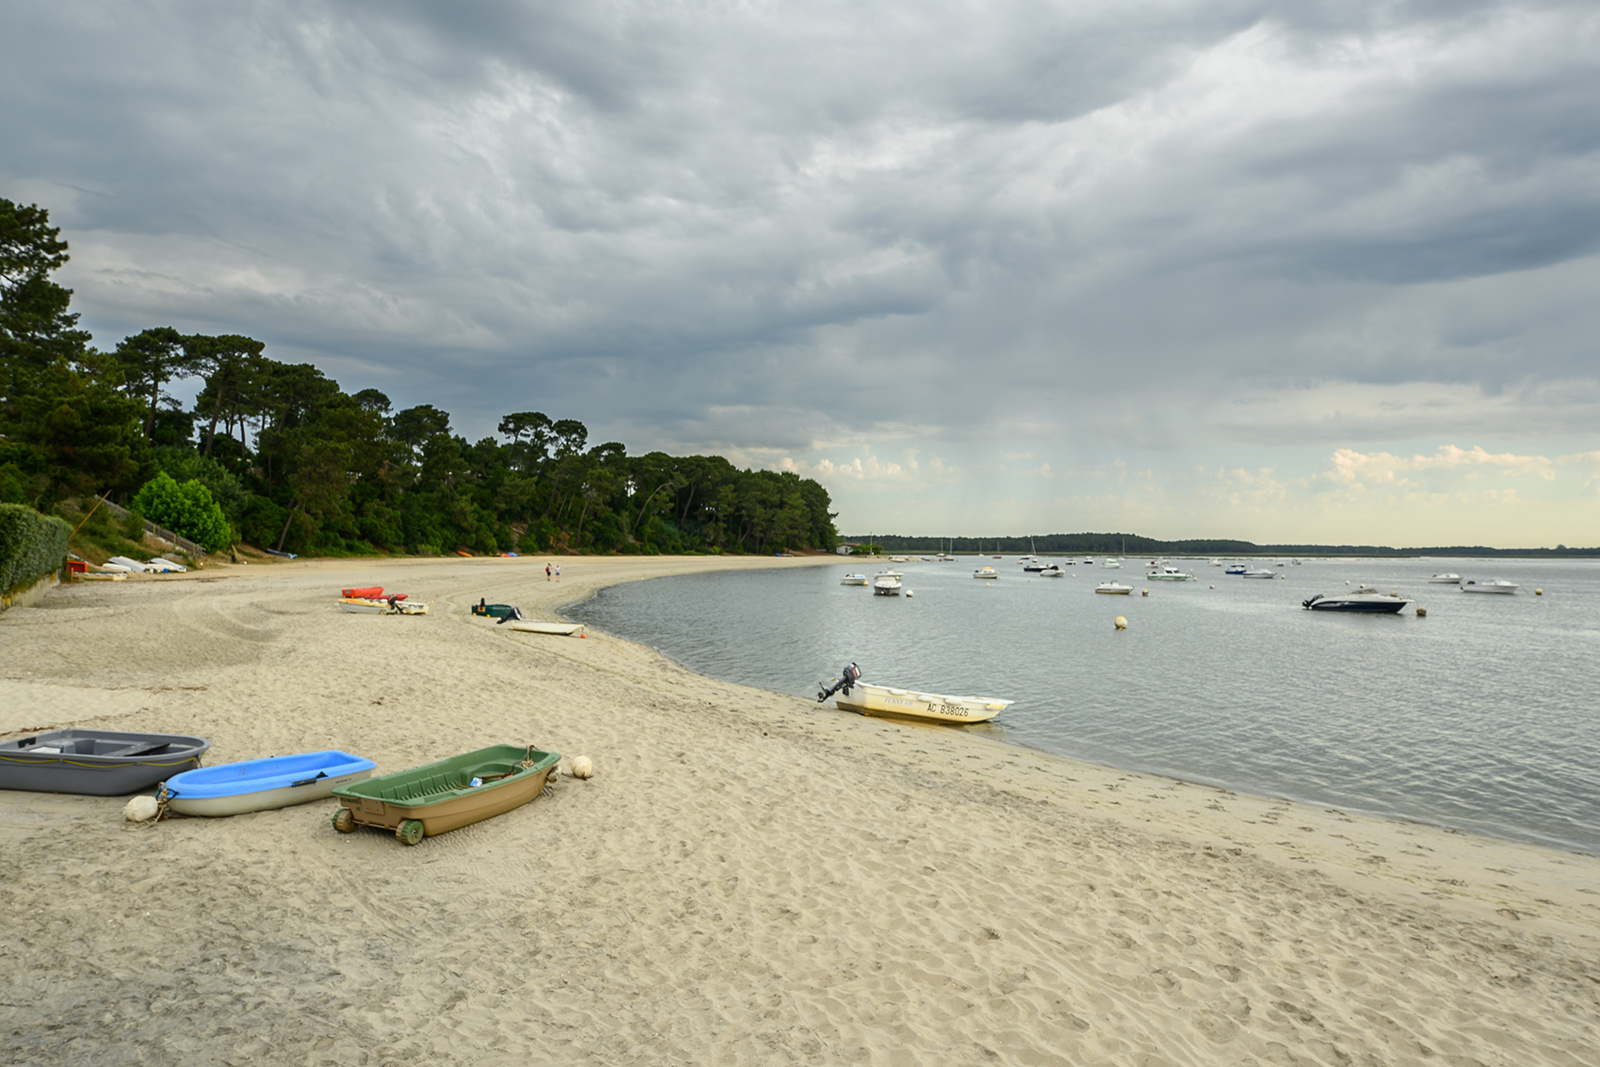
x=185, y=508
x=31, y=545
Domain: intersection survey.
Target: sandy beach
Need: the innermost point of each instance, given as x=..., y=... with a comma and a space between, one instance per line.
x=748, y=879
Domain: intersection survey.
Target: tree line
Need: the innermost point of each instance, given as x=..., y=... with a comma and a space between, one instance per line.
x=1120, y=544
x=294, y=463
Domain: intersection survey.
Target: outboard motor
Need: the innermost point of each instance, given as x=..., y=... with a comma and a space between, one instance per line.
x=509, y=616
x=849, y=677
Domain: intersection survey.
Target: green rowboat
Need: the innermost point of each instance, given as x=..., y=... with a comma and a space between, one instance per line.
x=438, y=797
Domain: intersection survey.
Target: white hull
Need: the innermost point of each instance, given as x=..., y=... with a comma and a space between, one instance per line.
x=535, y=626
x=886, y=702
x=1502, y=587
x=363, y=607
x=886, y=587
x=263, y=800
x=986, y=572
x=853, y=579
x=1114, y=588
x=1445, y=579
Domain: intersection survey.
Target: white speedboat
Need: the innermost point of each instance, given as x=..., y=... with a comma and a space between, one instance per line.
x=1169, y=574
x=888, y=702
x=539, y=626
x=1112, y=564
x=1050, y=570
x=1363, y=599
x=986, y=572
x=1259, y=572
x=1445, y=579
x=1235, y=568
x=1088, y=561
x=886, y=585
x=1491, y=585
x=853, y=579
x=1114, y=588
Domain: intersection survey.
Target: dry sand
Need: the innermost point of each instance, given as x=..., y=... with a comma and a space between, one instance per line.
x=747, y=879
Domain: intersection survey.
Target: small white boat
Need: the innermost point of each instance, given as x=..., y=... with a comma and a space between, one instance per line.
x=1445, y=579
x=1088, y=561
x=1112, y=564
x=1235, y=568
x=364, y=606
x=886, y=585
x=1050, y=570
x=129, y=564
x=165, y=566
x=899, y=559
x=1169, y=574
x=1115, y=588
x=986, y=572
x=887, y=702
x=853, y=579
x=1259, y=572
x=1491, y=585
x=539, y=626
x=114, y=568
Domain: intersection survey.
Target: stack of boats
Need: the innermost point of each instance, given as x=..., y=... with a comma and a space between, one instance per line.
x=372, y=600
x=413, y=804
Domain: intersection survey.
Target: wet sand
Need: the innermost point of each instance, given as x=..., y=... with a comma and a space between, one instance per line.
x=747, y=879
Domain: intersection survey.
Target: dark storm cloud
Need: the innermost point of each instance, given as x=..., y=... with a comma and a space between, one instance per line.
x=696, y=224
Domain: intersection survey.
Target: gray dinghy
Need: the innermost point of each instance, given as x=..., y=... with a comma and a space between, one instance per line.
x=100, y=763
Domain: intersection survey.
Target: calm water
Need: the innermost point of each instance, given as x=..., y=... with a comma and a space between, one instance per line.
x=1484, y=715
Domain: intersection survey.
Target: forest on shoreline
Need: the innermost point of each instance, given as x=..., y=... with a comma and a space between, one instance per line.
x=1120, y=544
x=280, y=456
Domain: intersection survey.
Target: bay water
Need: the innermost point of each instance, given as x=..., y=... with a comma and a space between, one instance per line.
x=1484, y=715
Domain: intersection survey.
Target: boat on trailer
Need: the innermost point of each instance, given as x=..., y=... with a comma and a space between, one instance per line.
x=263, y=784
x=438, y=797
x=98, y=763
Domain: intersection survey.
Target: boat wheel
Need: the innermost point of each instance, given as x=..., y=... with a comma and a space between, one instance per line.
x=409, y=832
x=344, y=821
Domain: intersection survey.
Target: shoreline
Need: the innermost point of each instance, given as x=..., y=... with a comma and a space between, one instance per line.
x=749, y=877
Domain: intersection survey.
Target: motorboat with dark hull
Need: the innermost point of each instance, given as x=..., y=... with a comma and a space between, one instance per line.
x=1364, y=600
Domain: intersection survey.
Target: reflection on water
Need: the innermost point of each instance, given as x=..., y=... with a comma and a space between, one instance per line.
x=1482, y=715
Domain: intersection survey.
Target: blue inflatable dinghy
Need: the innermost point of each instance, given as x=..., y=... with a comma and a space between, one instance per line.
x=260, y=784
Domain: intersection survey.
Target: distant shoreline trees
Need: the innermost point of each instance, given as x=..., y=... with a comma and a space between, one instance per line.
x=294, y=463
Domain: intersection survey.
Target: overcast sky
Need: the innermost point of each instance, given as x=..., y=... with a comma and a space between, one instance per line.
x=1288, y=272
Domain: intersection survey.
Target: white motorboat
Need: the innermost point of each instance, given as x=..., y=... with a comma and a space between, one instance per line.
x=1112, y=564
x=888, y=702
x=539, y=626
x=1235, y=568
x=1491, y=585
x=1088, y=561
x=1114, y=588
x=986, y=571
x=886, y=585
x=1169, y=573
x=1259, y=572
x=1216, y=563
x=899, y=559
x=1363, y=599
x=1445, y=579
x=1050, y=570
x=853, y=579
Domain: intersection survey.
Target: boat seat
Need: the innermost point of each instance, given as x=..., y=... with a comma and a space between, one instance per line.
x=143, y=748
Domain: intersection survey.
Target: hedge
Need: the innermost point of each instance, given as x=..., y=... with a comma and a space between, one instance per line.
x=31, y=545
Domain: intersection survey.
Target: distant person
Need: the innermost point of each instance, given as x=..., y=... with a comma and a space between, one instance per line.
x=558, y=572
x=547, y=572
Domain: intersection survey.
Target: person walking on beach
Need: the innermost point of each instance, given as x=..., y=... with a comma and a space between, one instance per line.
x=558, y=572
x=547, y=572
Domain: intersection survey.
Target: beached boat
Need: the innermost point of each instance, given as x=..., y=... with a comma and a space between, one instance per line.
x=99, y=763
x=1363, y=599
x=128, y=564
x=1169, y=574
x=1445, y=579
x=492, y=611
x=451, y=793
x=539, y=626
x=1492, y=585
x=165, y=566
x=853, y=579
x=395, y=606
x=263, y=784
x=1114, y=588
x=887, y=702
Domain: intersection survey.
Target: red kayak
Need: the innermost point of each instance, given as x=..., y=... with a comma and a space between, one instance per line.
x=370, y=592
